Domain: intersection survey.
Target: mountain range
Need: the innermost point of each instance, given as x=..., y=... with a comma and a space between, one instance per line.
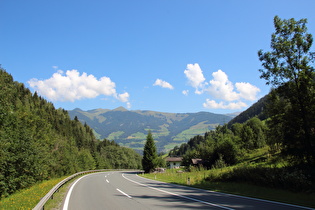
x=129, y=128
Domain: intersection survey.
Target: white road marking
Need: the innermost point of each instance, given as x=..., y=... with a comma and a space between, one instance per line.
x=123, y=193
x=66, y=204
x=243, y=197
x=182, y=196
x=107, y=181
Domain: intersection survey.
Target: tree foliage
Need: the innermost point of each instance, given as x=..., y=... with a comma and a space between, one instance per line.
x=288, y=68
x=223, y=146
x=38, y=142
x=149, y=160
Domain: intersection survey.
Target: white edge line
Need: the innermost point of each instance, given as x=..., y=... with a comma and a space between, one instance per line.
x=182, y=196
x=66, y=204
x=123, y=193
x=240, y=196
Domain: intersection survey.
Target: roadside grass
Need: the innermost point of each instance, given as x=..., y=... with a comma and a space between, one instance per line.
x=28, y=198
x=215, y=179
x=59, y=196
x=198, y=179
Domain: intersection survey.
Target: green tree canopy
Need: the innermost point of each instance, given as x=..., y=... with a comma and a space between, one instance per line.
x=288, y=68
x=39, y=142
x=149, y=160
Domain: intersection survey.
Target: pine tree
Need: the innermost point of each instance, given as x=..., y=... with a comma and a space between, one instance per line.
x=149, y=160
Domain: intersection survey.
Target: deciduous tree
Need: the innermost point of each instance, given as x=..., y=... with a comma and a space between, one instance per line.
x=288, y=68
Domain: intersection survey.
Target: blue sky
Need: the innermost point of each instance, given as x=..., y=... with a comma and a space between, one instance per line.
x=164, y=55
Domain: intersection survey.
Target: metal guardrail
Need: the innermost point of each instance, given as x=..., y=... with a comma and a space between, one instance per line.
x=50, y=194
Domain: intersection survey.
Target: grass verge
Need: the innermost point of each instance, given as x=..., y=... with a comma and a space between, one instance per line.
x=28, y=198
x=197, y=179
x=57, y=201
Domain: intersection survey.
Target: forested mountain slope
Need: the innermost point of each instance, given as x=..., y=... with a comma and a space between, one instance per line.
x=129, y=128
x=257, y=109
x=39, y=142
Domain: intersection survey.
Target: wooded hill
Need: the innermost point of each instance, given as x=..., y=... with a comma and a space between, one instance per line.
x=284, y=124
x=129, y=128
x=255, y=110
x=39, y=142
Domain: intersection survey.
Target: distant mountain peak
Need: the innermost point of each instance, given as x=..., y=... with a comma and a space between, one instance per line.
x=121, y=109
x=129, y=128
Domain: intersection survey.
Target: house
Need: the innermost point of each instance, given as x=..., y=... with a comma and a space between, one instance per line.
x=197, y=162
x=174, y=162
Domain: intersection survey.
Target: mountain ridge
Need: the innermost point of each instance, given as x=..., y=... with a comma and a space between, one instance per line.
x=129, y=127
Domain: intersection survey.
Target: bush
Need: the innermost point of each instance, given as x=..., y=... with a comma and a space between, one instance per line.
x=292, y=179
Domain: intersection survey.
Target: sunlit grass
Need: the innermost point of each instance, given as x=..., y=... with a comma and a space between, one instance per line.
x=200, y=179
x=207, y=179
x=28, y=198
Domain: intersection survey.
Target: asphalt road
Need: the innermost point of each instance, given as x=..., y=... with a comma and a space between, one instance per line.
x=125, y=190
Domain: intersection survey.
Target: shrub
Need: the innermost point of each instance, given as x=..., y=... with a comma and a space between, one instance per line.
x=283, y=178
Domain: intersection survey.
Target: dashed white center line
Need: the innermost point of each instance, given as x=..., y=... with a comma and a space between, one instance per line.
x=107, y=181
x=123, y=193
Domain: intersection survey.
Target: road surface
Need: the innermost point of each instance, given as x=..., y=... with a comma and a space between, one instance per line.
x=125, y=190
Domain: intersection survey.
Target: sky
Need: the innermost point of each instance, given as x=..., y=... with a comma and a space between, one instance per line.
x=179, y=56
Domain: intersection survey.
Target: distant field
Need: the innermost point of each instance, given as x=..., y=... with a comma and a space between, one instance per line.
x=129, y=128
x=115, y=135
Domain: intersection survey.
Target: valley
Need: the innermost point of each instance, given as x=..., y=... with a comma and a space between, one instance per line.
x=129, y=128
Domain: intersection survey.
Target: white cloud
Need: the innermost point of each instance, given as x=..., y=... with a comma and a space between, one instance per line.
x=185, y=92
x=211, y=104
x=163, y=84
x=72, y=86
x=247, y=90
x=128, y=105
x=221, y=88
x=124, y=97
x=195, y=76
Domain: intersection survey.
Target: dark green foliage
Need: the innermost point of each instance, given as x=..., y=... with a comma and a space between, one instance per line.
x=288, y=67
x=287, y=178
x=223, y=146
x=120, y=157
x=149, y=160
x=191, y=144
x=255, y=110
x=38, y=142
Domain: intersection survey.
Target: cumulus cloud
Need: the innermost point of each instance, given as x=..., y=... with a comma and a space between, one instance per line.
x=247, y=90
x=72, y=86
x=211, y=104
x=221, y=88
x=232, y=96
x=195, y=76
x=124, y=97
x=163, y=84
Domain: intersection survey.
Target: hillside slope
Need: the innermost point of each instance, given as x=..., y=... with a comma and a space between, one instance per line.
x=129, y=128
x=39, y=142
x=257, y=109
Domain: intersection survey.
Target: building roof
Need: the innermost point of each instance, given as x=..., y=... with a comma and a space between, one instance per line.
x=174, y=159
x=196, y=161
